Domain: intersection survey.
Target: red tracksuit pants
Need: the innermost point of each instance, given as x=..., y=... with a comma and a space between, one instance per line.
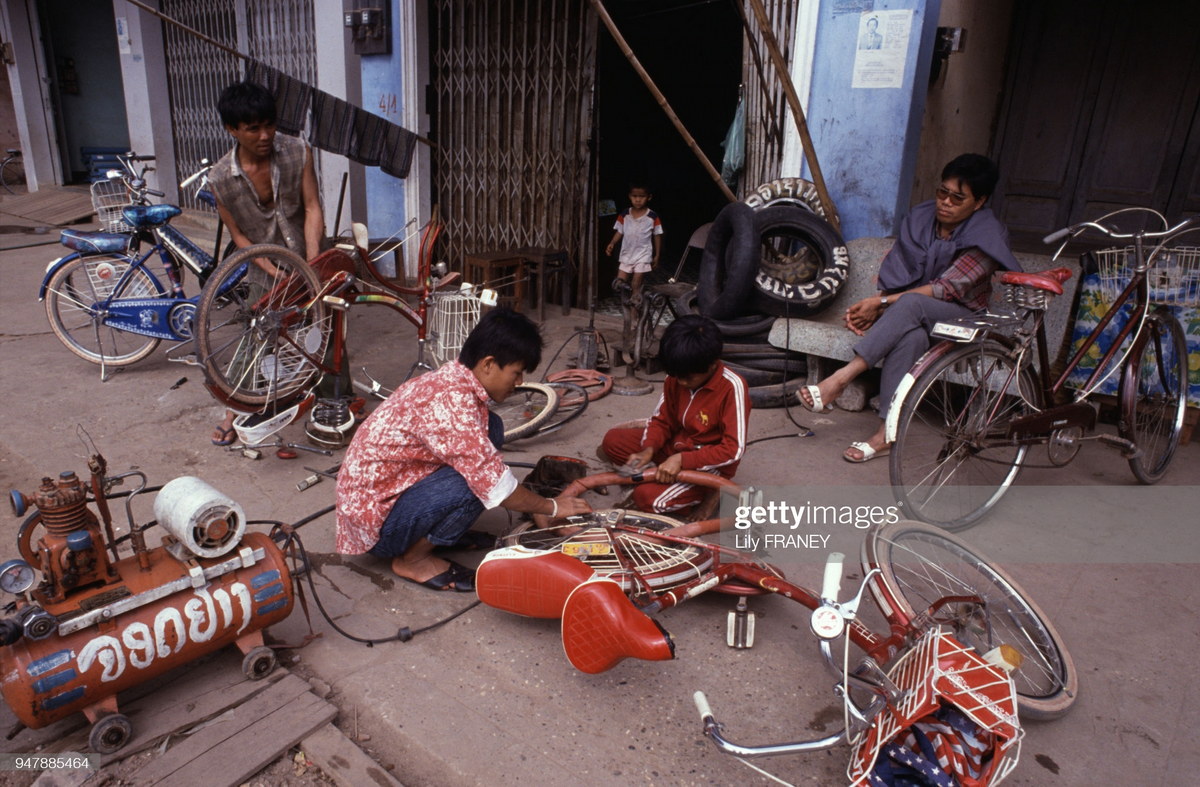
x=619, y=444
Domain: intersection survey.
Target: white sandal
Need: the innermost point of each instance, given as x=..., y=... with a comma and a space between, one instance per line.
x=868, y=453
x=818, y=406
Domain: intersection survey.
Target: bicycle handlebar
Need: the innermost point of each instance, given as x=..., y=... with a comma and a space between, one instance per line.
x=1164, y=234
x=832, y=582
x=205, y=166
x=1055, y=237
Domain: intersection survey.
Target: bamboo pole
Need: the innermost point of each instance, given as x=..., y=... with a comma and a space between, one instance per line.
x=789, y=90
x=598, y=5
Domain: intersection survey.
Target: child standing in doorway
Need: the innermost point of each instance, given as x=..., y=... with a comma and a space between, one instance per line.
x=639, y=231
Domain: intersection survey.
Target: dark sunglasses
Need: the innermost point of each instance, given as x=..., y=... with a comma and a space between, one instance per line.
x=955, y=197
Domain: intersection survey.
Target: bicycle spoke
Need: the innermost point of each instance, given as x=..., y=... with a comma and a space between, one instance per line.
x=927, y=568
x=953, y=457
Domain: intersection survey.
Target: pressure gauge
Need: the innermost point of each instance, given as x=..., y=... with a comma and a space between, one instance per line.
x=17, y=576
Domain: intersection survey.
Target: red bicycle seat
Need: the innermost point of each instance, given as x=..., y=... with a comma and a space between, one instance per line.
x=1050, y=281
x=531, y=582
x=601, y=627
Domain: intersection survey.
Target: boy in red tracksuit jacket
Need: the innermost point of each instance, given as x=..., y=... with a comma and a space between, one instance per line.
x=700, y=422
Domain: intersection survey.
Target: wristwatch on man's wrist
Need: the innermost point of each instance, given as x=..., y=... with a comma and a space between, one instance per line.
x=884, y=300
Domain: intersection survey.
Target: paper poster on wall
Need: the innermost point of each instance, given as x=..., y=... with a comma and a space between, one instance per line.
x=124, y=45
x=882, y=48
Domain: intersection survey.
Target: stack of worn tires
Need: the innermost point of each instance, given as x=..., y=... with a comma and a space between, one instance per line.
x=773, y=255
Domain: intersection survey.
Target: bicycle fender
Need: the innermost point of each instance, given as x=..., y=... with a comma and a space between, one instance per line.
x=51, y=269
x=892, y=423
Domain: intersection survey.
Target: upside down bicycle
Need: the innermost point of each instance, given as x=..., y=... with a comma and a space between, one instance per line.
x=963, y=420
x=954, y=622
x=269, y=325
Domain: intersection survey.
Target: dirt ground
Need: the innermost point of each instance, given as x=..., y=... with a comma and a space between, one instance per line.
x=489, y=699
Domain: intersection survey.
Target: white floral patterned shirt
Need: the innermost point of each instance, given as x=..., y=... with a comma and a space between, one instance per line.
x=437, y=419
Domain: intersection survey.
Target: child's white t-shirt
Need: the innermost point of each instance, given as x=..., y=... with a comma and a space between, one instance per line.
x=636, y=234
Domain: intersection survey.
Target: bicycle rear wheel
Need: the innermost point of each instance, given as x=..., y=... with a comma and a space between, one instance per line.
x=526, y=410
x=952, y=460
x=12, y=175
x=921, y=565
x=1153, y=396
x=73, y=298
x=261, y=330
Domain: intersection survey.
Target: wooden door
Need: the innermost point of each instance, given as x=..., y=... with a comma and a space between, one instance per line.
x=1101, y=113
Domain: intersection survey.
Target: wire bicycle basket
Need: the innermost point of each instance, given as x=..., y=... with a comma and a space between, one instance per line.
x=1173, y=279
x=453, y=315
x=109, y=198
x=944, y=681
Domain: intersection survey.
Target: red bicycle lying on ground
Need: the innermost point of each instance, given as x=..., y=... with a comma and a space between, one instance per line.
x=965, y=647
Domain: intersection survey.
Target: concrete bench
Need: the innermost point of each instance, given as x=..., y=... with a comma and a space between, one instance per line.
x=825, y=339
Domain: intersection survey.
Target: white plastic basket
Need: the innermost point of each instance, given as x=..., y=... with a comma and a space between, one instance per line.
x=1174, y=278
x=109, y=198
x=452, y=316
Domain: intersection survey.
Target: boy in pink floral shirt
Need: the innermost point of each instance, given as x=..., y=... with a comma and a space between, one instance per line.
x=423, y=467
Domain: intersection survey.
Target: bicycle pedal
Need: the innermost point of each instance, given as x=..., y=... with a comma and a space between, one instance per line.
x=740, y=626
x=1128, y=448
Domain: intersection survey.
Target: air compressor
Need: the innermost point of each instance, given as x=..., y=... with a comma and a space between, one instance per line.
x=88, y=623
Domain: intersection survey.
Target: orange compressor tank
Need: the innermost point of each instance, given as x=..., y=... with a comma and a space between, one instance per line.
x=111, y=638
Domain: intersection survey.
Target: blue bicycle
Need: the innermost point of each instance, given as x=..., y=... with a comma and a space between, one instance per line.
x=103, y=301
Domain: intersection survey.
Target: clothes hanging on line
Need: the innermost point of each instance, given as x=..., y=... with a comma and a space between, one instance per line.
x=335, y=125
x=292, y=97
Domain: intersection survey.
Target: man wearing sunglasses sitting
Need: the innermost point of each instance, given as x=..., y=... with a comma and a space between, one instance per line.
x=940, y=268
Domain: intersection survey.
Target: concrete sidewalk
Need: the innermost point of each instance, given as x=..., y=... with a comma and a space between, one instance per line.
x=489, y=698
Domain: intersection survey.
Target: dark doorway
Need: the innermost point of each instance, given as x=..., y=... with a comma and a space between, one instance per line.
x=84, y=70
x=1101, y=113
x=693, y=52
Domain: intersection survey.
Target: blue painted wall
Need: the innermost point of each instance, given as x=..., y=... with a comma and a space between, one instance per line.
x=382, y=81
x=866, y=139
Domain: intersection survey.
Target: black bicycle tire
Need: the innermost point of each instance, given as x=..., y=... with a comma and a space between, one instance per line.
x=223, y=304
x=56, y=292
x=765, y=397
x=1159, y=326
x=573, y=407
x=7, y=177
x=756, y=377
x=909, y=443
x=728, y=264
x=1050, y=650
x=529, y=427
x=769, y=363
x=787, y=191
x=770, y=220
x=757, y=347
x=775, y=296
x=744, y=327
